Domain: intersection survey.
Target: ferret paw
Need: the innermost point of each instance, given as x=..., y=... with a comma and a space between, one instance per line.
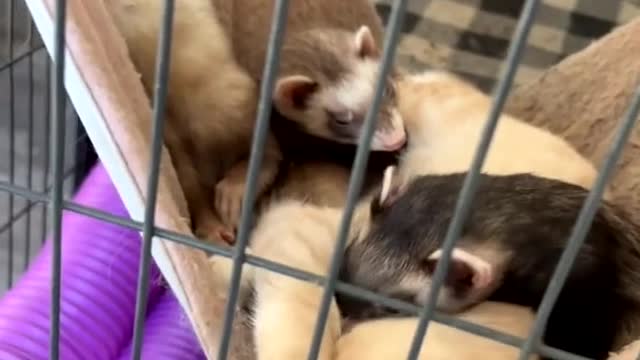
x=228, y=201
x=215, y=232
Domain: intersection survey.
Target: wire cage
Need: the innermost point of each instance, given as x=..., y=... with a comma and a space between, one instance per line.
x=25, y=74
x=49, y=154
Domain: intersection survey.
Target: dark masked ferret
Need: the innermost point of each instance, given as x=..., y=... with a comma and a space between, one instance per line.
x=303, y=236
x=211, y=103
x=510, y=246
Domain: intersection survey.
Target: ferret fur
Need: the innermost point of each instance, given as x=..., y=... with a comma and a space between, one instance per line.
x=510, y=246
x=211, y=106
x=436, y=147
x=302, y=236
x=391, y=338
x=445, y=117
x=328, y=65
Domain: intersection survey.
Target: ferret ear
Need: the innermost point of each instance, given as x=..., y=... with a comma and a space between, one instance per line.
x=365, y=43
x=466, y=270
x=390, y=191
x=292, y=92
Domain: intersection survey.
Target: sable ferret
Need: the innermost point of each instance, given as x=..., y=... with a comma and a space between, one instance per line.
x=212, y=98
x=327, y=72
x=302, y=236
x=211, y=104
x=508, y=251
x=329, y=63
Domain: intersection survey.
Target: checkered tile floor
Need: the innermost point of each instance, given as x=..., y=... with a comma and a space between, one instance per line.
x=471, y=37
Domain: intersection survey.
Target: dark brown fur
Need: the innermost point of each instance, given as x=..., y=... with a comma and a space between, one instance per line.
x=528, y=219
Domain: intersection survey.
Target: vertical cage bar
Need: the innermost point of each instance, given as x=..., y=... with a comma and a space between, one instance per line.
x=269, y=72
x=57, y=149
x=30, y=130
x=465, y=199
x=47, y=137
x=12, y=134
x=581, y=228
x=163, y=60
x=356, y=178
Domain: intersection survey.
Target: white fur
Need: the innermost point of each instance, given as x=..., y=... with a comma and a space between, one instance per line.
x=391, y=338
x=445, y=118
x=357, y=89
x=386, y=183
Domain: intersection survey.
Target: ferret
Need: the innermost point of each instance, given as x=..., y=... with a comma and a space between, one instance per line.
x=302, y=235
x=445, y=116
x=394, y=244
x=419, y=160
x=508, y=251
x=216, y=149
x=325, y=84
x=329, y=63
x=390, y=338
x=211, y=107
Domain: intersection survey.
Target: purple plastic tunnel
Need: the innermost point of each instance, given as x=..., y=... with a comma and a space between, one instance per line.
x=98, y=292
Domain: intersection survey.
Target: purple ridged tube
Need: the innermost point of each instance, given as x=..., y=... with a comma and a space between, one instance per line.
x=168, y=334
x=98, y=291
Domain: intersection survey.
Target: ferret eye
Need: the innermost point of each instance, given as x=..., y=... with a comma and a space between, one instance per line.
x=342, y=118
x=428, y=266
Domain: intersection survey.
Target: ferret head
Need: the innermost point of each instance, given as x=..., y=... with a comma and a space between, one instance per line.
x=399, y=251
x=327, y=85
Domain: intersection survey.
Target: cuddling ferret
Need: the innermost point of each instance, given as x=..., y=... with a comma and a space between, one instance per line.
x=271, y=289
x=302, y=236
x=329, y=63
x=211, y=100
x=212, y=97
x=445, y=116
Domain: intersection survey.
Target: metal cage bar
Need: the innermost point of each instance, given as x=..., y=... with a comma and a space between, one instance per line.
x=30, y=129
x=331, y=283
x=159, y=106
x=469, y=187
x=57, y=149
x=255, y=162
x=581, y=227
x=357, y=173
x=12, y=133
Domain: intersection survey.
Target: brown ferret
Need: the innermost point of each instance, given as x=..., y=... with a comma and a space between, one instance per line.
x=211, y=105
x=212, y=98
x=328, y=68
x=329, y=63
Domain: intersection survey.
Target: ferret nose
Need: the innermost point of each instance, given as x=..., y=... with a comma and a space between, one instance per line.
x=392, y=140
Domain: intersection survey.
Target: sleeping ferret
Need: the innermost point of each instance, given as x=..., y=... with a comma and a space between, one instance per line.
x=390, y=338
x=213, y=91
x=302, y=236
x=445, y=116
x=508, y=251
